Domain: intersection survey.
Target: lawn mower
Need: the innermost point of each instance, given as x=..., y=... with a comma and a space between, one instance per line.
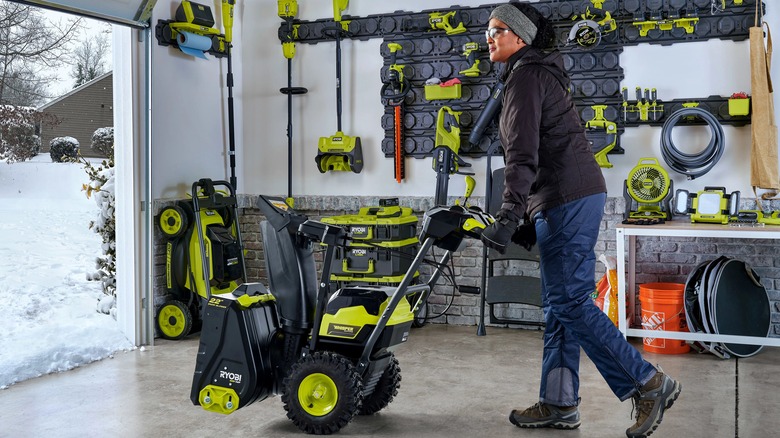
x=328, y=353
x=203, y=255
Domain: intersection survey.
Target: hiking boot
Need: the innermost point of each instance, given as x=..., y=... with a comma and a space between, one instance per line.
x=544, y=415
x=653, y=399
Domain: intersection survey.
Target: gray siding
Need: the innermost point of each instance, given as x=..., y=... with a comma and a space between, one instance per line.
x=81, y=113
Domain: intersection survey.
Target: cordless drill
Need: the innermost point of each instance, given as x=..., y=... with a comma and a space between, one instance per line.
x=471, y=51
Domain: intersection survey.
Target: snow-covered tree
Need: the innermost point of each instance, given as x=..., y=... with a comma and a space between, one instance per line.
x=18, y=132
x=103, y=141
x=62, y=149
x=31, y=49
x=89, y=59
x=101, y=189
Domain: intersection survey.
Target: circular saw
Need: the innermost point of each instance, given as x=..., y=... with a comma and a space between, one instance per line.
x=587, y=32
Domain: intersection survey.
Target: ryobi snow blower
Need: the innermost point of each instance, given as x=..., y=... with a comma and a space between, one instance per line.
x=203, y=255
x=328, y=353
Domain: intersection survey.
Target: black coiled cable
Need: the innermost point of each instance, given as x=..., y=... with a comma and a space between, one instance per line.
x=692, y=165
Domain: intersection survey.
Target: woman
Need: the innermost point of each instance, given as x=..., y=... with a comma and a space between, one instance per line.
x=552, y=178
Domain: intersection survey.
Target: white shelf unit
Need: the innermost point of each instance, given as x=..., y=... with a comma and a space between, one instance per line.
x=626, y=270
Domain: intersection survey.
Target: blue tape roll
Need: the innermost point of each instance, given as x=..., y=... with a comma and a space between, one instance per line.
x=193, y=44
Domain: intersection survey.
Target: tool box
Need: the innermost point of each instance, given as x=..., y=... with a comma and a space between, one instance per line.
x=382, y=259
x=384, y=243
x=385, y=223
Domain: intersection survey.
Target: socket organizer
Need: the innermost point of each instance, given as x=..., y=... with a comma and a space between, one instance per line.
x=596, y=74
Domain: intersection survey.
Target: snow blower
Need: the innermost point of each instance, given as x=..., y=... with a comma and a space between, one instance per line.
x=339, y=152
x=328, y=352
x=203, y=255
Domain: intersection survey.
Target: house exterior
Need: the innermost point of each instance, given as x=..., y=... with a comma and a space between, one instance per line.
x=81, y=112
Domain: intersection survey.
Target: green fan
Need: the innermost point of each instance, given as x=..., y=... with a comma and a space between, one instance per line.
x=648, y=191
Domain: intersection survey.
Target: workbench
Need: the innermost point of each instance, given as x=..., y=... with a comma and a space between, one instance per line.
x=626, y=272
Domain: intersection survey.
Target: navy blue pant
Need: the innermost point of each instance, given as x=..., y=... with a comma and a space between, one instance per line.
x=566, y=236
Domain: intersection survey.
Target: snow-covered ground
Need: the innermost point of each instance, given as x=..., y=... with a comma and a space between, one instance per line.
x=48, y=317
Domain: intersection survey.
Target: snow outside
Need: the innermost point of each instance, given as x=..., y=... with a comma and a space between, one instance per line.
x=48, y=307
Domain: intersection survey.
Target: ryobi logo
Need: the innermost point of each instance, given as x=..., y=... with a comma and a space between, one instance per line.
x=209, y=212
x=359, y=230
x=343, y=330
x=359, y=252
x=232, y=377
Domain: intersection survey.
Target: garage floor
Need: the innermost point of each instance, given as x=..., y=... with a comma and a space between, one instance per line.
x=455, y=384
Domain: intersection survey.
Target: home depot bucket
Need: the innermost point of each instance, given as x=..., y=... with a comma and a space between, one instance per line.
x=662, y=309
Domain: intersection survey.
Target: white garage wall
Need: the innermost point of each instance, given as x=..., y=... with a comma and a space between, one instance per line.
x=189, y=110
x=190, y=136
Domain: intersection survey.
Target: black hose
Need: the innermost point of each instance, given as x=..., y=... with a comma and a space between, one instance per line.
x=692, y=165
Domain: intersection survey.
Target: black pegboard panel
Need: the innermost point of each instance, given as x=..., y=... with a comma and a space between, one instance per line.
x=596, y=75
x=732, y=22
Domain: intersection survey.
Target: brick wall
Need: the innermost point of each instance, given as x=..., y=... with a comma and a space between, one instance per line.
x=658, y=259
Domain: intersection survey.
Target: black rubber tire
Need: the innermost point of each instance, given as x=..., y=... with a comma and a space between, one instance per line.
x=385, y=390
x=197, y=322
x=306, y=408
x=173, y=320
x=173, y=221
x=188, y=208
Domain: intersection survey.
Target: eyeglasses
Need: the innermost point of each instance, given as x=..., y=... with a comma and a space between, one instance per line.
x=493, y=31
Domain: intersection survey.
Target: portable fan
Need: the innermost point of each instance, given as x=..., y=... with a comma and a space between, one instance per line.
x=648, y=191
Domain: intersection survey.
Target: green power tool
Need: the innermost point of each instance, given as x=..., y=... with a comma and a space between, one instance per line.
x=446, y=160
x=288, y=9
x=451, y=22
x=602, y=134
x=339, y=152
x=471, y=51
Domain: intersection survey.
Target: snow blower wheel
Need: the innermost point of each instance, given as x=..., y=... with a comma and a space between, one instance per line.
x=173, y=221
x=386, y=389
x=174, y=320
x=322, y=393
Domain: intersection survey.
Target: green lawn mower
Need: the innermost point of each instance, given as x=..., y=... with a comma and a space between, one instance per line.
x=203, y=255
x=328, y=352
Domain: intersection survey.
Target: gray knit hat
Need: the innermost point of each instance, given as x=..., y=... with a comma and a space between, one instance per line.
x=517, y=21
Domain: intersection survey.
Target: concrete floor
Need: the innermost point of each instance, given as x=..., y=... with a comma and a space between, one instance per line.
x=455, y=384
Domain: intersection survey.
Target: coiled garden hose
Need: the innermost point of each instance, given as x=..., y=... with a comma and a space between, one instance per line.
x=692, y=165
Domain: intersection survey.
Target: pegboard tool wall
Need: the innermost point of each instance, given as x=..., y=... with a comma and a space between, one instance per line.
x=596, y=74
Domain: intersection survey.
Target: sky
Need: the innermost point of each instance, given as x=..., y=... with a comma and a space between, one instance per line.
x=65, y=81
x=48, y=317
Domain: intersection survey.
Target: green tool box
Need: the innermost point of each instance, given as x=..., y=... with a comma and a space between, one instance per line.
x=381, y=259
x=384, y=244
x=378, y=224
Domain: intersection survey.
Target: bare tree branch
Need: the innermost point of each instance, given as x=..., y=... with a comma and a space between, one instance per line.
x=30, y=44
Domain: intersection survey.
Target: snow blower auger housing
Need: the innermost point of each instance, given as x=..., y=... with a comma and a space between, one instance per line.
x=329, y=354
x=203, y=255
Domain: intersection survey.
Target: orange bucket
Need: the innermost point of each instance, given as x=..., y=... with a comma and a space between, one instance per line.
x=663, y=309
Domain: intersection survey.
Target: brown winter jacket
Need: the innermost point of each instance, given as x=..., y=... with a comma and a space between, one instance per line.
x=548, y=159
